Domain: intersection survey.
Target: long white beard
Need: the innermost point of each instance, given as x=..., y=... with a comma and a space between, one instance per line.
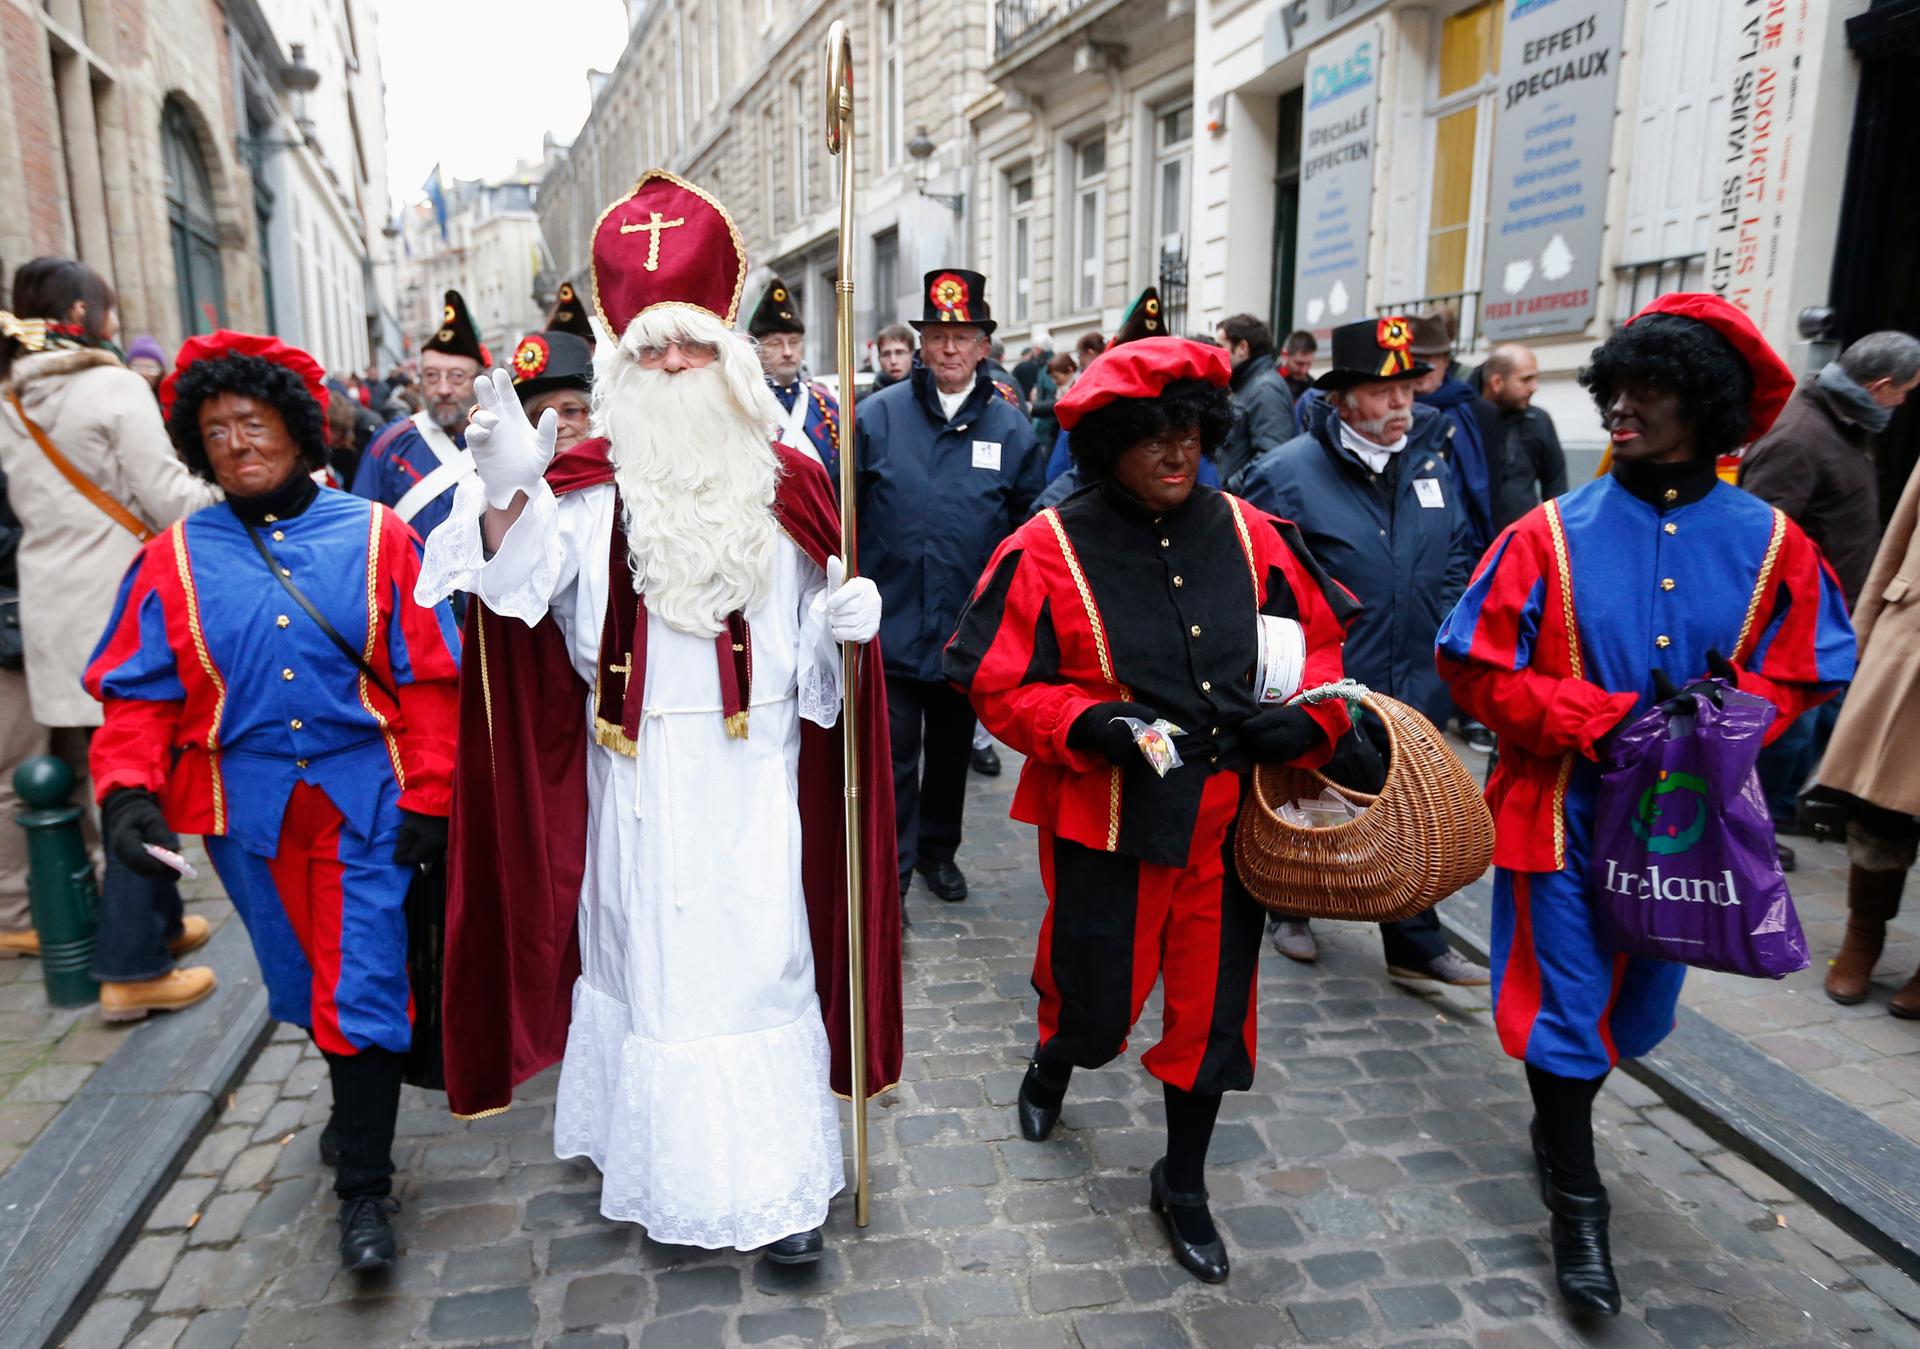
x=697, y=474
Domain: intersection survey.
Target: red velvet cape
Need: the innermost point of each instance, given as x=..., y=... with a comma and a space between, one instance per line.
x=519, y=830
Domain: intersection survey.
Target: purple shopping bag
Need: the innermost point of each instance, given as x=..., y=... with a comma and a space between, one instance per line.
x=1684, y=866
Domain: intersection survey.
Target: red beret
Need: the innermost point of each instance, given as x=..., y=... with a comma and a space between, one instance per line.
x=212, y=346
x=1772, y=380
x=666, y=242
x=1140, y=369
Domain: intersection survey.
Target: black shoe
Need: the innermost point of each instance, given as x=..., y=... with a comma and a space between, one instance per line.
x=802, y=1248
x=1582, y=1261
x=329, y=1146
x=366, y=1233
x=1207, y=1260
x=1037, y=1121
x=1479, y=739
x=986, y=761
x=944, y=879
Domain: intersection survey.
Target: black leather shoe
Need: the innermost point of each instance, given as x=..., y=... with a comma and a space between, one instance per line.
x=1206, y=1261
x=802, y=1248
x=945, y=880
x=329, y=1148
x=366, y=1233
x=1036, y=1121
x=1582, y=1260
x=986, y=762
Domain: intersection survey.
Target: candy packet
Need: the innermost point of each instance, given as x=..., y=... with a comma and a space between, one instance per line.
x=1155, y=742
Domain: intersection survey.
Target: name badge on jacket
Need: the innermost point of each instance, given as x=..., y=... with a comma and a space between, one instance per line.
x=986, y=454
x=1428, y=490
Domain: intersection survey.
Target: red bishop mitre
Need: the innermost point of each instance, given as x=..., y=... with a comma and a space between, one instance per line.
x=666, y=242
x=1772, y=379
x=225, y=342
x=1140, y=369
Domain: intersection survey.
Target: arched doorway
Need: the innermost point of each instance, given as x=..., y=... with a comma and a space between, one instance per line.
x=192, y=225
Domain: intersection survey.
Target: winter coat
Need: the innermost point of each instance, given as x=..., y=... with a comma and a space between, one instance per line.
x=1405, y=560
x=1475, y=424
x=103, y=418
x=1871, y=753
x=1263, y=416
x=1528, y=465
x=935, y=499
x=1813, y=465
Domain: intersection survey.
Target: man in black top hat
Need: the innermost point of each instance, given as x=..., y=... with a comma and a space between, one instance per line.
x=813, y=415
x=1369, y=484
x=947, y=469
x=555, y=370
x=414, y=464
x=570, y=316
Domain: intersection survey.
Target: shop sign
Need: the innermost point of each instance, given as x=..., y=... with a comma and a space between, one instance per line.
x=1336, y=179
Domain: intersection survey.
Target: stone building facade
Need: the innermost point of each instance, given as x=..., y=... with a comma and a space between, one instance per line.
x=732, y=95
x=216, y=173
x=491, y=252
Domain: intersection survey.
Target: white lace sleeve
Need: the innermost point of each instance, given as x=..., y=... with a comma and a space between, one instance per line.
x=819, y=664
x=524, y=573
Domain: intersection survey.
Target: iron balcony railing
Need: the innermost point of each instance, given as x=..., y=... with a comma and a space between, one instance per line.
x=1460, y=308
x=1637, y=283
x=1014, y=21
x=1173, y=292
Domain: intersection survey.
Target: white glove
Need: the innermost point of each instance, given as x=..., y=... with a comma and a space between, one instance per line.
x=509, y=454
x=853, y=607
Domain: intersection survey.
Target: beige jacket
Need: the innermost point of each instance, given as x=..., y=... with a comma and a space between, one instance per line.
x=104, y=419
x=1871, y=755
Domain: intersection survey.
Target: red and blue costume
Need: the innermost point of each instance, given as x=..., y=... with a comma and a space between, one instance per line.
x=822, y=428
x=231, y=705
x=1553, y=644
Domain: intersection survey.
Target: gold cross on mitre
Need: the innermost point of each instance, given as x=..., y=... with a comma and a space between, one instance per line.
x=653, y=226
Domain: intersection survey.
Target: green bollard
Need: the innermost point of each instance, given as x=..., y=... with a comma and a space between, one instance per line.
x=60, y=885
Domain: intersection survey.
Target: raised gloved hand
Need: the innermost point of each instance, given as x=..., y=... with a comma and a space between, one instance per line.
x=422, y=839
x=509, y=452
x=130, y=818
x=1097, y=731
x=1278, y=734
x=852, y=607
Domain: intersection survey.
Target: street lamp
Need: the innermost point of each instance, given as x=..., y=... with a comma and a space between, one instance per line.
x=920, y=149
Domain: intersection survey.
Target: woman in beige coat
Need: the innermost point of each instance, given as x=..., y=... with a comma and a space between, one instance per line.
x=62, y=376
x=1871, y=758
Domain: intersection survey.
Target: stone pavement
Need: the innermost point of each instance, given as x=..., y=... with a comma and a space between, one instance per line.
x=48, y=1053
x=1375, y=1188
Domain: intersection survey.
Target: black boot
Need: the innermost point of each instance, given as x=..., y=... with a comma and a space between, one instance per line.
x=1582, y=1259
x=802, y=1248
x=1040, y=1099
x=366, y=1233
x=1205, y=1260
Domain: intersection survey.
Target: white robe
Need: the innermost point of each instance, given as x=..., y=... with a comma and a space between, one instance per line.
x=696, y=1071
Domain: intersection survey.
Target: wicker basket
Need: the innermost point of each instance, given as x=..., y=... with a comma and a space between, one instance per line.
x=1425, y=835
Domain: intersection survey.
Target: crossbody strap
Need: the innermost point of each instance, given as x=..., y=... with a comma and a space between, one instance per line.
x=333, y=633
x=82, y=484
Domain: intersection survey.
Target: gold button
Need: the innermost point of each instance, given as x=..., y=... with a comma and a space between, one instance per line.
x=1671, y=528
x=1672, y=494
x=279, y=536
x=272, y=519
x=285, y=572
x=1216, y=730
x=281, y=621
x=299, y=763
x=287, y=673
x=1206, y=686
x=295, y=723
x=1166, y=543
x=1663, y=641
x=1179, y=581
x=1194, y=630
x=1667, y=583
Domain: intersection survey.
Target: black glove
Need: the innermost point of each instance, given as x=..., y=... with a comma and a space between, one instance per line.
x=1719, y=667
x=130, y=818
x=1096, y=731
x=422, y=839
x=1278, y=734
x=1663, y=689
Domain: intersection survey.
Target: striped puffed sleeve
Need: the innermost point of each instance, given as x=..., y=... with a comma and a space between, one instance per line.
x=1298, y=587
x=134, y=676
x=423, y=653
x=1798, y=650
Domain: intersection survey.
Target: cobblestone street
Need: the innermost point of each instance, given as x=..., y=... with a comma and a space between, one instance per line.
x=1376, y=1188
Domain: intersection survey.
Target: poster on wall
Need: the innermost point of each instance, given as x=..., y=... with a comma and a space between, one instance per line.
x=1552, y=135
x=1744, y=262
x=1336, y=179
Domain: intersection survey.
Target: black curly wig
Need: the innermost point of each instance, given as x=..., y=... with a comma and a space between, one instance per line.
x=1100, y=437
x=1687, y=358
x=252, y=377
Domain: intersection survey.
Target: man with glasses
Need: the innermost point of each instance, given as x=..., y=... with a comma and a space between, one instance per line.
x=947, y=469
x=414, y=464
x=812, y=422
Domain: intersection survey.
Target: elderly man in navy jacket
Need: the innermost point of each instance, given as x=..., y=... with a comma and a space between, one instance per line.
x=947, y=469
x=1370, y=483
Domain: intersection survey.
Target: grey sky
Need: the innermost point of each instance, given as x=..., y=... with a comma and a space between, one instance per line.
x=475, y=85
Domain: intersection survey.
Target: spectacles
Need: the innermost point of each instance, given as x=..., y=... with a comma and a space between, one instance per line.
x=446, y=379
x=697, y=352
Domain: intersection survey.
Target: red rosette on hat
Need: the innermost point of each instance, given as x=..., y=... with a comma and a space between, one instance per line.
x=667, y=242
x=1141, y=369
x=1772, y=379
x=530, y=357
x=212, y=346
